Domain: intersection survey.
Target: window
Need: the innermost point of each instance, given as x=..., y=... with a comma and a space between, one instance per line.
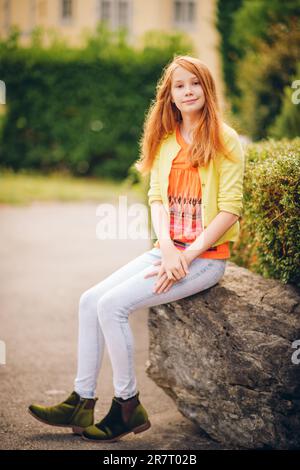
x=123, y=13
x=6, y=15
x=106, y=10
x=191, y=11
x=184, y=12
x=115, y=12
x=178, y=11
x=67, y=9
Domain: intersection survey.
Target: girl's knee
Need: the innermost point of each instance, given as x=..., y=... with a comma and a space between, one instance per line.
x=84, y=300
x=109, y=308
x=87, y=304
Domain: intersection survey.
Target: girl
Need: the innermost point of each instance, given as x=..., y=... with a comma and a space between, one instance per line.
x=196, y=165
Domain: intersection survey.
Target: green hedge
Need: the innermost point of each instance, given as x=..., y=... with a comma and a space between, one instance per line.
x=269, y=243
x=80, y=110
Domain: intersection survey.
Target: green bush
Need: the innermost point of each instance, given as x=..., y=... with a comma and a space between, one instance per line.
x=80, y=110
x=269, y=242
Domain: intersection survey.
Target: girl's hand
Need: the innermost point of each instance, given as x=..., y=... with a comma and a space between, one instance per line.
x=174, y=263
x=163, y=283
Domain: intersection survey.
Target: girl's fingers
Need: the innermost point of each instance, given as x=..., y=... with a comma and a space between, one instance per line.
x=184, y=264
x=159, y=282
x=179, y=273
x=161, y=271
x=166, y=286
x=169, y=286
x=152, y=273
x=162, y=287
x=170, y=275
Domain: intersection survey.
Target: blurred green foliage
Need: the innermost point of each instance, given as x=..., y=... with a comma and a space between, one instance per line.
x=260, y=43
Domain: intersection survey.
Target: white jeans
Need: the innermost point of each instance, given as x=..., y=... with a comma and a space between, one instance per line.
x=104, y=311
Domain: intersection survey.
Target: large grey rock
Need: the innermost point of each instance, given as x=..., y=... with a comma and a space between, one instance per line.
x=225, y=356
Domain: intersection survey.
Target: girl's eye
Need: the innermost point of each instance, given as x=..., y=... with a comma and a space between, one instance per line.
x=195, y=83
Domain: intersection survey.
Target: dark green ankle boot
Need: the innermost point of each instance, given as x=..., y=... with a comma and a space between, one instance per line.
x=75, y=412
x=124, y=416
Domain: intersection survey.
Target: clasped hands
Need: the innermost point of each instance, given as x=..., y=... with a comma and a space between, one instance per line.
x=174, y=266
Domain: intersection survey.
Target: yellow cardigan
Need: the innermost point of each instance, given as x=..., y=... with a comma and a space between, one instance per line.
x=221, y=181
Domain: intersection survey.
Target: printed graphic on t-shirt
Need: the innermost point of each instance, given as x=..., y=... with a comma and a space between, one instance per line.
x=185, y=217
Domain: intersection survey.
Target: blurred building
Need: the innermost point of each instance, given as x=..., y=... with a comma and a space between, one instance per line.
x=72, y=17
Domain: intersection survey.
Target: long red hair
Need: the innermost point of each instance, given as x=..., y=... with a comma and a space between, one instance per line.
x=163, y=116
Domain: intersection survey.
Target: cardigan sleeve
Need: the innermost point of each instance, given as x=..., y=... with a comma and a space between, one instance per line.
x=231, y=176
x=154, y=193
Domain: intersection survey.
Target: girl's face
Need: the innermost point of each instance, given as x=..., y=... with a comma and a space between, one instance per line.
x=186, y=91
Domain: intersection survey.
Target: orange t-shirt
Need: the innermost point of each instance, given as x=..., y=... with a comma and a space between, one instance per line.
x=184, y=195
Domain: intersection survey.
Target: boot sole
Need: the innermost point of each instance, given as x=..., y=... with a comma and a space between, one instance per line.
x=76, y=429
x=136, y=430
